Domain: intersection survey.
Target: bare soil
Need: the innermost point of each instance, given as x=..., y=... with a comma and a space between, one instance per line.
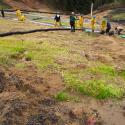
x=26, y=98
x=27, y=5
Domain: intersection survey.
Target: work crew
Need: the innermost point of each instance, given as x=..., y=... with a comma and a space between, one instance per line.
x=20, y=16
x=93, y=21
x=57, y=20
x=2, y=13
x=72, y=22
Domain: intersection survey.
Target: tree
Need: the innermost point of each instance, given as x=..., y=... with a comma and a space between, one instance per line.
x=78, y=5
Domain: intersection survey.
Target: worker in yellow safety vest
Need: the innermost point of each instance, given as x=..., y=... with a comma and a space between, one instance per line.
x=77, y=21
x=93, y=21
x=18, y=14
x=81, y=21
x=22, y=18
x=103, y=26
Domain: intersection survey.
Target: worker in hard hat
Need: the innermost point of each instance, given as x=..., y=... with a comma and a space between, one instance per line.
x=72, y=21
x=57, y=19
x=103, y=26
x=93, y=21
x=18, y=14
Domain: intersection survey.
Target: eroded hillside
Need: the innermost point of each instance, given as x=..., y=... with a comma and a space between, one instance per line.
x=27, y=4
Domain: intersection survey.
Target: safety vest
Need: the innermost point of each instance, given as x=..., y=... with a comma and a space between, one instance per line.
x=18, y=13
x=22, y=18
x=93, y=21
x=81, y=20
x=103, y=24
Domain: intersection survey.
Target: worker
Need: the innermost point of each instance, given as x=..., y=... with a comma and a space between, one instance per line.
x=72, y=22
x=2, y=13
x=18, y=14
x=119, y=29
x=103, y=26
x=81, y=20
x=22, y=18
x=77, y=21
x=57, y=20
x=108, y=27
x=93, y=21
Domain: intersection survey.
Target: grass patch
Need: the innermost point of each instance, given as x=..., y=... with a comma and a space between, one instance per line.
x=62, y=96
x=95, y=88
x=118, y=16
x=5, y=60
x=122, y=73
x=103, y=69
x=20, y=65
x=41, y=55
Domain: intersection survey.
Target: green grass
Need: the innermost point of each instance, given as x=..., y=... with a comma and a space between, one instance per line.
x=118, y=16
x=122, y=73
x=62, y=96
x=97, y=80
x=65, y=96
x=95, y=87
x=20, y=65
x=41, y=55
x=103, y=69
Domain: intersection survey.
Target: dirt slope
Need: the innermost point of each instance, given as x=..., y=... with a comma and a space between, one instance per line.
x=27, y=4
x=26, y=95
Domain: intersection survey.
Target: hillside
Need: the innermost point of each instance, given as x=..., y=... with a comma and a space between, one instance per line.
x=27, y=4
x=60, y=78
x=65, y=5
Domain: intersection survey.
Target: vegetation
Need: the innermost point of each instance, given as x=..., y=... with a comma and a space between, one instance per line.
x=79, y=5
x=62, y=96
x=94, y=87
x=44, y=56
x=68, y=55
x=3, y=5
